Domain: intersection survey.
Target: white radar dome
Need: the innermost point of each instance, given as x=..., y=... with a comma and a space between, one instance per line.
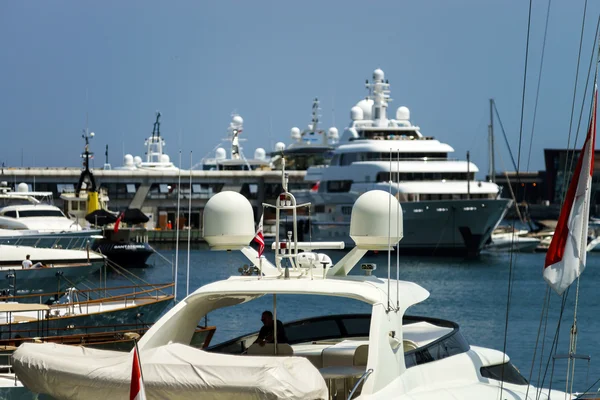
x=237, y=120
x=22, y=187
x=371, y=225
x=356, y=113
x=228, y=221
x=333, y=133
x=366, y=105
x=220, y=154
x=128, y=160
x=137, y=160
x=164, y=158
x=260, y=154
x=403, y=114
x=295, y=133
x=378, y=75
x=279, y=146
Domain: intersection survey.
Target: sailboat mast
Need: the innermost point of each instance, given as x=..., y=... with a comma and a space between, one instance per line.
x=492, y=167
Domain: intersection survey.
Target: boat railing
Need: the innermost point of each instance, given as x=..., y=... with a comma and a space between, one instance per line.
x=50, y=242
x=153, y=291
x=359, y=382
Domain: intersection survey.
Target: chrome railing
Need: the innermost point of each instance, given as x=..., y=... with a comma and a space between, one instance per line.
x=361, y=380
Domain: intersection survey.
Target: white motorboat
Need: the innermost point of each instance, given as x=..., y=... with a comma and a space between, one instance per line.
x=513, y=242
x=446, y=211
x=383, y=355
x=23, y=212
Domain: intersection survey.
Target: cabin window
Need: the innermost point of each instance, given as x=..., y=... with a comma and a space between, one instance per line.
x=339, y=186
x=131, y=188
x=163, y=188
x=75, y=205
x=65, y=187
x=320, y=208
x=12, y=214
x=335, y=160
x=506, y=372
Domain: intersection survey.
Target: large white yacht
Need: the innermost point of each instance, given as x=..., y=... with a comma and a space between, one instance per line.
x=383, y=354
x=237, y=160
x=310, y=146
x=25, y=212
x=446, y=211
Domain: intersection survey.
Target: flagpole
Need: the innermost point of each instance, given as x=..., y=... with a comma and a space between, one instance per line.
x=187, y=288
x=177, y=227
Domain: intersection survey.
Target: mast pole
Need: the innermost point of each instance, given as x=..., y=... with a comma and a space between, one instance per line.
x=491, y=140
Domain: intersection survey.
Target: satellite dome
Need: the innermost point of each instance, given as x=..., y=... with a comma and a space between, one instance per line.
x=367, y=107
x=372, y=225
x=137, y=160
x=378, y=75
x=220, y=154
x=164, y=158
x=310, y=127
x=356, y=113
x=22, y=187
x=228, y=221
x=333, y=133
x=295, y=133
x=237, y=120
x=128, y=160
x=403, y=114
x=260, y=154
x=279, y=146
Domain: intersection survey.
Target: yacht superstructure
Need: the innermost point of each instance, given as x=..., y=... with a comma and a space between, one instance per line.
x=445, y=209
x=237, y=161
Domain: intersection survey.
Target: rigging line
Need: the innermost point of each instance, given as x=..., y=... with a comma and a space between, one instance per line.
x=582, y=395
x=593, y=53
x=512, y=158
x=537, y=342
x=511, y=263
x=545, y=317
x=554, y=346
x=524, y=87
x=575, y=93
x=537, y=94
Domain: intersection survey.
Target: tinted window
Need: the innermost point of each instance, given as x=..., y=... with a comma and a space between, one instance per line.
x=40, y=213
x=504, y=372
x=357, y=326
x=339, y=186
x=312, y=330
x=12, y=214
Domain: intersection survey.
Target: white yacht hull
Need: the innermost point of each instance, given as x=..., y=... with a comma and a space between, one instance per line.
x=460, y=227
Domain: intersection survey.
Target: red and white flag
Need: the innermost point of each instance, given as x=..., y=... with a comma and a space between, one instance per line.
x=136, y=390
x=566, y=256
x=260, y=238
x=117, y=222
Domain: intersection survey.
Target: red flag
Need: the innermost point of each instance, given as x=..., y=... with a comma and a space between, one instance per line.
x=566, y=256
x=117, y=222
x=260, y=238
x=315, y=187
x=136, y=390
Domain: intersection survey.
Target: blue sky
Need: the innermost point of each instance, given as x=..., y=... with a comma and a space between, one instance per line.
x=198, y=61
